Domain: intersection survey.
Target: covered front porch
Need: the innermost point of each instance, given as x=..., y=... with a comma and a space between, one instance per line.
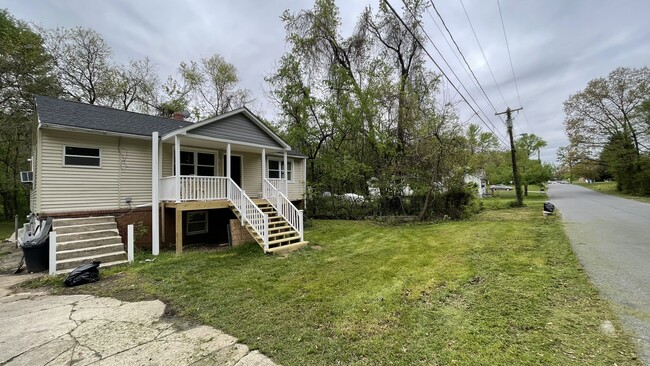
x=195, y=170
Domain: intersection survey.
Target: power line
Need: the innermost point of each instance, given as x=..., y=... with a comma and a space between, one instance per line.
x=483, y=53
x=498, y=136
x=505, y=36
x=459, y=51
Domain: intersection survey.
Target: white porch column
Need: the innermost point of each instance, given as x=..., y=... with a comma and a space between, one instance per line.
x=228, y=170
x=304, y=183
x=177, y=167
x=286, y=175
x=155, y=181
x=263, y=170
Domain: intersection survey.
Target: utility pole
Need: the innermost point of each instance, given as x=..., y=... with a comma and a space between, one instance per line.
x=515, y=171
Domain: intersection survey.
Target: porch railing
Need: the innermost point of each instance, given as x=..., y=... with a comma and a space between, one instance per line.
x=285, y=208
x=279, y=184
x=193, y=188
x=249, y=212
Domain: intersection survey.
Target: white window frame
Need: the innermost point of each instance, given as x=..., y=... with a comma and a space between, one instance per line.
x=291, y=171
x=99, y=158
x=196, y=164
x=205, y=225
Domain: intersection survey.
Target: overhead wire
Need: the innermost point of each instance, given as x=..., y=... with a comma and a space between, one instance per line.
x=514, y=78
x=483, y=53
x=497, y=135
x=444, y=24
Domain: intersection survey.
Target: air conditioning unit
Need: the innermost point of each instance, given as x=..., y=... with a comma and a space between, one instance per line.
x=26, y=177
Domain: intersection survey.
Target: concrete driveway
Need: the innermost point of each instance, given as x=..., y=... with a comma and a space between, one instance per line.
x=40, y=329
x=611, y=237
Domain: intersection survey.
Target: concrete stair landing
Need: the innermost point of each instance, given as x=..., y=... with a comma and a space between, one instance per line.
x=84, y=240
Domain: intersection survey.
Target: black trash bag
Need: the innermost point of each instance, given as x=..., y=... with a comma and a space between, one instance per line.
x=549, y=207
x=86, y=273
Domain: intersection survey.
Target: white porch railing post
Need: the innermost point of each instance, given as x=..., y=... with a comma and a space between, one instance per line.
x=155, y=194
x=301, y=225
x=52, y=256
x=177, y=167
x=266, y=233
x=129, y=243
x=263, y=170
x=228, y=166
x=286, y=175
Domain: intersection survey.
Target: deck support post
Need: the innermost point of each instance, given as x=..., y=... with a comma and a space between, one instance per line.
x=286, y=175
x=162, y=222
x=177, y=167
x=155, y=180
x=179, y=231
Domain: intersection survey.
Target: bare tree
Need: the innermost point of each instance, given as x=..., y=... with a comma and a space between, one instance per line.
x=82, y=63
x=213, y=84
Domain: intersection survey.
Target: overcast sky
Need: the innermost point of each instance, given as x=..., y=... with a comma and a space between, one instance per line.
x=557, y=46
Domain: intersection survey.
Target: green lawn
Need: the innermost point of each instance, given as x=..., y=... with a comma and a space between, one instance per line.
x=503, y=288
x=610, y=188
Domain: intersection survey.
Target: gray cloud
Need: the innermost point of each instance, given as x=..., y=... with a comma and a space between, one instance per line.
x=556, y=46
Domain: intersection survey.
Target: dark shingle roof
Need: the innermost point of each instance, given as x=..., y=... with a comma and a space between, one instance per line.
x=91, y=117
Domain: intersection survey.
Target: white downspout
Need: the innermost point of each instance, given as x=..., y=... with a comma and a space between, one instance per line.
x=155, y=180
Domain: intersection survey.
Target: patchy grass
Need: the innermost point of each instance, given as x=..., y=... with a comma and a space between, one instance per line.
x=610, y=188
x=6, y=229
x=503, y=288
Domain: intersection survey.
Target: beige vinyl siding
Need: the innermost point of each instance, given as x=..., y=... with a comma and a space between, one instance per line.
x=168, y=160
x=125, y=171
x=252, y=173
x=297, y=187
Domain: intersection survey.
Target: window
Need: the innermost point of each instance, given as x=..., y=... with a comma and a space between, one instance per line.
x=81, y=156
x=197, y=222
x=276, y=169
x=197, y=163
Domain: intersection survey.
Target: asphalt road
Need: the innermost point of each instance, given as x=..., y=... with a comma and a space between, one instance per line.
x=611, y=237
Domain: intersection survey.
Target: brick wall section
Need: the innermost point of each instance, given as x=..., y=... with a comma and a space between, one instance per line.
x=139, y=217
x=239, y=234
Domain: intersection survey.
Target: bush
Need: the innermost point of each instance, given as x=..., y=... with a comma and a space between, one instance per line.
x=456, y=203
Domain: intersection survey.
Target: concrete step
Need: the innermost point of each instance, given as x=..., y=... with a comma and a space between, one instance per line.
x=288, y=248
x=101, y=265
x=76, y=262
x=85, y=227
x=81, y=221
x=97, y=234
x=88, y=252
x=88, y=243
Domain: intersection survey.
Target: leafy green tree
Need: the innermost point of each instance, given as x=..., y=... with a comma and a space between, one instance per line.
x=26, y=69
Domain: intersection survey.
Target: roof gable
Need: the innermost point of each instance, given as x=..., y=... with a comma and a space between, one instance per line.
x=239, y=125
x=78, y=115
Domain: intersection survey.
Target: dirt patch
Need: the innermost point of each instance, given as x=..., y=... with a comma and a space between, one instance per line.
x=10, y=257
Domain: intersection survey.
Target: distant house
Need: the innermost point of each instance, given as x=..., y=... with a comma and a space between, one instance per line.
x=92, y=161
x=480, y=182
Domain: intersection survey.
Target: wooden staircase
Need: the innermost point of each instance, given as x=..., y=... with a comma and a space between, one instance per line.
x=282, y=237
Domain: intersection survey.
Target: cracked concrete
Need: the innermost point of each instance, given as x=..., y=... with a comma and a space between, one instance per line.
x=41, y=329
